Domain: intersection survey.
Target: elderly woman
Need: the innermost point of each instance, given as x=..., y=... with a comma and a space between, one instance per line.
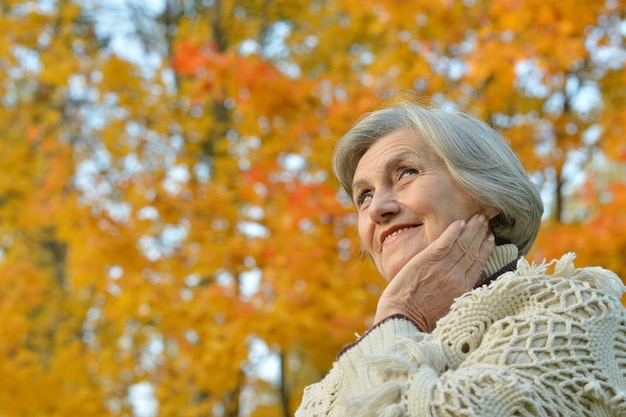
x=466, y=326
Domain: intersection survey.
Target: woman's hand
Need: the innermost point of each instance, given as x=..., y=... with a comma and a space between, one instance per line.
x=424, y=289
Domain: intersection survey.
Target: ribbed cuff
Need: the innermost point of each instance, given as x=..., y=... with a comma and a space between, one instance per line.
x=387, y=326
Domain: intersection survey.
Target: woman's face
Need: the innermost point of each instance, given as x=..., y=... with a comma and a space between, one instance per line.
x=405, y=199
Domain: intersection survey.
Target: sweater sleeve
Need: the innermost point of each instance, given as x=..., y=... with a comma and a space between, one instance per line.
x=327, y=397
x=530, y=345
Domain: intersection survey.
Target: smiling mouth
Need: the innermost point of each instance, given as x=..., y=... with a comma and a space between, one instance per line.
x=397, y=232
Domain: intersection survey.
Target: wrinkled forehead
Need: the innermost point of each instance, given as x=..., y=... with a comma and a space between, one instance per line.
x=422, y=146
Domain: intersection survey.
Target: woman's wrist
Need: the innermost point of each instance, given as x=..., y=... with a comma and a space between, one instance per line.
x=385, y=310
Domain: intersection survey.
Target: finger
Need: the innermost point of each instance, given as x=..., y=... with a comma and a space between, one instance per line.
x=478, y=266
x=469, y=242
x=479, y=225
x=445, y=243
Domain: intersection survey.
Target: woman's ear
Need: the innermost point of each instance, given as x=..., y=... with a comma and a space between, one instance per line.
x=490, y=212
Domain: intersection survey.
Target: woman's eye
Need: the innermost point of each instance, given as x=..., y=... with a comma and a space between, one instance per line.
x=363, y=198
x=405, y=172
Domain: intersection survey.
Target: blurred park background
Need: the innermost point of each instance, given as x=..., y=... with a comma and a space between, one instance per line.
x=172, y=241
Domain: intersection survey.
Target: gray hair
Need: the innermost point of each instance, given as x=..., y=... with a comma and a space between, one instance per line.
x=476, y=156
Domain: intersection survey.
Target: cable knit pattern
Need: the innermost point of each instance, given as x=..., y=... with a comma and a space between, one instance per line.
x=532, y=343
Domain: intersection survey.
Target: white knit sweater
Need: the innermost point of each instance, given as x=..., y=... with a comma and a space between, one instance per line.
x=532, y=343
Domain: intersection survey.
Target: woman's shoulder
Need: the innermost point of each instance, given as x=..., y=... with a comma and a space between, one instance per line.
x=534, y=296
x=559, y=284
x=544, y=288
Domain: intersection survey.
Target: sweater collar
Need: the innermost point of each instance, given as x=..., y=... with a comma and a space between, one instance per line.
x=503, y=259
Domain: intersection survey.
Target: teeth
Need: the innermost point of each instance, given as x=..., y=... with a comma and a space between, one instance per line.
x=397, y=231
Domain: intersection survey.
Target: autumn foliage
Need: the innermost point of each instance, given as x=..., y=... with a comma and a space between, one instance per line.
x=168, y=217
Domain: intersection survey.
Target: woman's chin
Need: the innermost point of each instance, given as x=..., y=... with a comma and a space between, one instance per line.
x=390, y=270
x=396, y=260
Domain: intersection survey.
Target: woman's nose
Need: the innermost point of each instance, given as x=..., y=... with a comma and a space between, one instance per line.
x=383, y=206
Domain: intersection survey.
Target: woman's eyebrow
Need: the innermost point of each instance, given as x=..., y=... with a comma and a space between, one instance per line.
x=398, y=159
x=361, y=183
x=394, y=162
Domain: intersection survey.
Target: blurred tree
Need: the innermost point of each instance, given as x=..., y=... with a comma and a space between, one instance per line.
x=167, y=210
